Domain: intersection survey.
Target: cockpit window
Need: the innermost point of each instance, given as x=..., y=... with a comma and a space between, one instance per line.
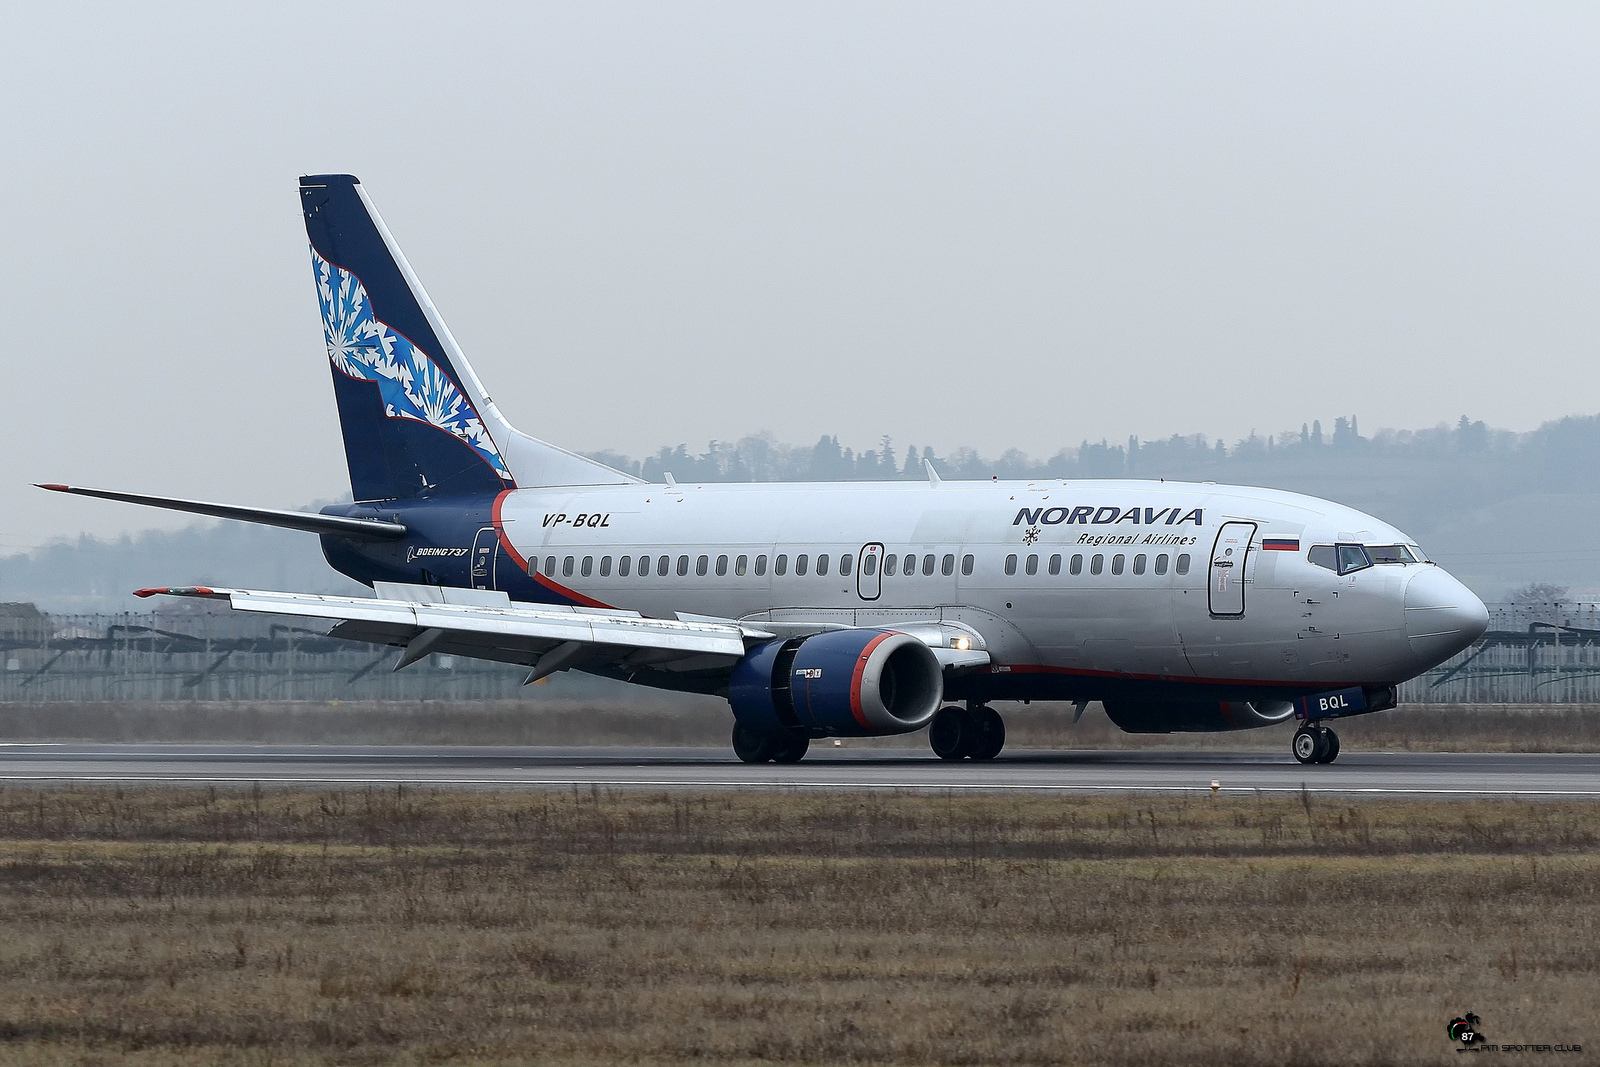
x=1390, y=554
x=1352, y=558
x=1346, y=559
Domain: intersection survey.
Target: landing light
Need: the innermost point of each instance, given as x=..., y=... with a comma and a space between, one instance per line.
x=962, y=643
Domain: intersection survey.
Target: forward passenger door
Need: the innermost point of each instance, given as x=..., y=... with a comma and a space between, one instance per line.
x=1225, y=589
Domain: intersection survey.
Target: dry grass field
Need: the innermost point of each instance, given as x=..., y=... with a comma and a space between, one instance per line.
x=166, y=926
x=636, y=717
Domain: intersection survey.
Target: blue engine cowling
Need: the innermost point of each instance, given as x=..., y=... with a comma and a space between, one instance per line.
x=841, y=683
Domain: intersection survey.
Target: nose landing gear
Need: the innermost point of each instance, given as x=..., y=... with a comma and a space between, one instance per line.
x=1315, y=744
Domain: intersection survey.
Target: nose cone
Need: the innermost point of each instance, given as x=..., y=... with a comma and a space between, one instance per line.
x=1442, y=616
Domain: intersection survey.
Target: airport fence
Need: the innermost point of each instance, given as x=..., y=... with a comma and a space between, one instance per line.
x=1531, y=655
x=204, y=657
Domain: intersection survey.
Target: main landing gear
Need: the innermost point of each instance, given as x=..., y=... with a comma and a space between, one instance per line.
x=1315, y=744
x=967, y=733
x=756, y=746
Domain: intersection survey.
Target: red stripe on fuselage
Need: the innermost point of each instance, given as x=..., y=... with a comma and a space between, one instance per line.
x=533, y=572
x=855, y=680
x=1080, y=672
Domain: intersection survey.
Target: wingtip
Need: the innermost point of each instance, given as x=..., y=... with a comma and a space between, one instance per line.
x=179, y=590
x=54, y=487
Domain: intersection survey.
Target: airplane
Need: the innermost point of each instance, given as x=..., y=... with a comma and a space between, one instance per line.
x=845, y=609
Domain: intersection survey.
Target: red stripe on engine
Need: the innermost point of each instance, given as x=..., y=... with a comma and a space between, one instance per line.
x=855, y=681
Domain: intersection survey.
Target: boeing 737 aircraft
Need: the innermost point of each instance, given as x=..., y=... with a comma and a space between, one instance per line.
x=828, y=609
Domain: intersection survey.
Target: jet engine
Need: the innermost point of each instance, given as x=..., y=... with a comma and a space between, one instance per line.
x=839, y=683
x=1195, y=716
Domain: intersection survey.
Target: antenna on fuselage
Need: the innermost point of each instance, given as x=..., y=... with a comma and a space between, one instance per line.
x=934, y=481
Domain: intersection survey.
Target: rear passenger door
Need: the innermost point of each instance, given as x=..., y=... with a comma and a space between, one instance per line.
x=484, y=549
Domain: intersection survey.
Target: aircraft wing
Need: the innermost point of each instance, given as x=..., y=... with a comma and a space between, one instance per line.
x=484, y=624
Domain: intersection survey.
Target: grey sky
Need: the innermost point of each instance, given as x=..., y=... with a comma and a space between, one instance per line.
x=976, y=225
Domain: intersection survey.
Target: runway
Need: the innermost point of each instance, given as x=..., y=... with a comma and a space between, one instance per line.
x=1450, y=774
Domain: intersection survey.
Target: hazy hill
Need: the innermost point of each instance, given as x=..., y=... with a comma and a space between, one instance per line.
x=1499, y=509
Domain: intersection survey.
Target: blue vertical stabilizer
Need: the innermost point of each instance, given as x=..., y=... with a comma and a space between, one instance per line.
x=416, y=420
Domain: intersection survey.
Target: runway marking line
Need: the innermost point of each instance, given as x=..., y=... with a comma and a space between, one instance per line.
x=637, y=783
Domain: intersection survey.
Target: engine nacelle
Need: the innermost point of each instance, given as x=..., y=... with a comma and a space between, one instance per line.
x=841, y=683
x=1196, y=716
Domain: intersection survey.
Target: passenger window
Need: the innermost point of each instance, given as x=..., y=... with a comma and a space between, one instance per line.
x=927, y=563
x=1011, y=564
x=947, y=566
x=909, y=567
x=1138, y=563
x=1097, y=563
x=1077, y=563
x=802, y=563
x=549, y=566
x=781, y=564
x=740, y=565
x=722, y=566
x=1161, y=563
x=644, y=566
x=1033, y=564
x=566, y=567
x=761, y=565
x=1183, y=563
x=869, y=564
x=663, y=565
x=1324, y=556
x=1055, y=563
x=588, y=566
x=845, y=563
x=683, y=566
x=891, y=562
x=1352, y=558
x=624, y=566
x=605, y=566
x=966, y=564
x=701, y=565
x=822, y=564
x=1116, y=563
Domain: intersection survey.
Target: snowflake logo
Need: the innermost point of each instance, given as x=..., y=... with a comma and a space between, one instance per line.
x=1031, y=535
x=411, y=384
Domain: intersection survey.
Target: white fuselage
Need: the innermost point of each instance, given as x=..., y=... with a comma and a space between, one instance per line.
x=1154, y=592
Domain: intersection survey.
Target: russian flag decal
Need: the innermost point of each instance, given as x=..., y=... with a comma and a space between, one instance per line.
x=1280, y=544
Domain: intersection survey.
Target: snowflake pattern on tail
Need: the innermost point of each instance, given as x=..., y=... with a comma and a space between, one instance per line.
x=412, y=385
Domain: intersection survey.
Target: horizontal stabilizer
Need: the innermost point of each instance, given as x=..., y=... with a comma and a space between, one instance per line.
x=337, y=525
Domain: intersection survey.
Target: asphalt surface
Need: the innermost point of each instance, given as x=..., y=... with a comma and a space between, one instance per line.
x=1453, y=774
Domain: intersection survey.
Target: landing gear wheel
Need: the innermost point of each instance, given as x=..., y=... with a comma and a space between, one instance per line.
x=791, y=748
x=1332, y=752
x=753, y=746
x=949, y=733
x=988, y=733
x=1306, y=745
